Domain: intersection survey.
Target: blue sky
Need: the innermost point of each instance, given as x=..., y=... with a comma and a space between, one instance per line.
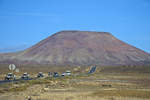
x=26, y=22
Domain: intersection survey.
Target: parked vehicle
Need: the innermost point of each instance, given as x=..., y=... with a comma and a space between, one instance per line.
x=67, y=73
x=92, y=70
x=50, y=74
x=40, y=74
x=25, y=76
x=55, y=74
x=10, y=76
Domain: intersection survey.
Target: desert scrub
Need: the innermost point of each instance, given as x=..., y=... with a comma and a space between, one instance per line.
x=123, y=93
x=21, y=86
x=39, y=81
x=17, y=89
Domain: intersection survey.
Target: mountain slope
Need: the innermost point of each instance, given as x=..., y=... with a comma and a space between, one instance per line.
x=80, y=48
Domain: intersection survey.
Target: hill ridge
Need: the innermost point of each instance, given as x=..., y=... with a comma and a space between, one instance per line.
x=80, y=48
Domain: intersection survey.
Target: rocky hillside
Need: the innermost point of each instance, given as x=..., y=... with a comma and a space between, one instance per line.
x=79, y=48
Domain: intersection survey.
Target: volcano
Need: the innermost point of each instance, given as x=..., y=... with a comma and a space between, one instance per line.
x=79, y=48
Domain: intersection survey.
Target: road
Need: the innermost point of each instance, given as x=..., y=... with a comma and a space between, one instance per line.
x=92, y=70
x=17, y=80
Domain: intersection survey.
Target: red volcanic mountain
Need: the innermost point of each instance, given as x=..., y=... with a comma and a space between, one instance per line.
x=79, y=48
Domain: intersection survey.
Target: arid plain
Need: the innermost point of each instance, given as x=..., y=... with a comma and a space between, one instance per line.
x=107, y=83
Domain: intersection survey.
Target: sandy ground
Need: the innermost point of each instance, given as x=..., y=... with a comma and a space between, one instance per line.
x=94, y=87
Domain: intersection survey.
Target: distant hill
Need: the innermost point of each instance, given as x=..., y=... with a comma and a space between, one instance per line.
x=13, y=48
x=79, y=48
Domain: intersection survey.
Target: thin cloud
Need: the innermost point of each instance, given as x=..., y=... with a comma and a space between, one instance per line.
x=55, y=17
x=36, y=14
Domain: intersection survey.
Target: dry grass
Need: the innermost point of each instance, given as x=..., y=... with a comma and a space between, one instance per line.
x=123, y=93
x=105, y=85
x=80, y=96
